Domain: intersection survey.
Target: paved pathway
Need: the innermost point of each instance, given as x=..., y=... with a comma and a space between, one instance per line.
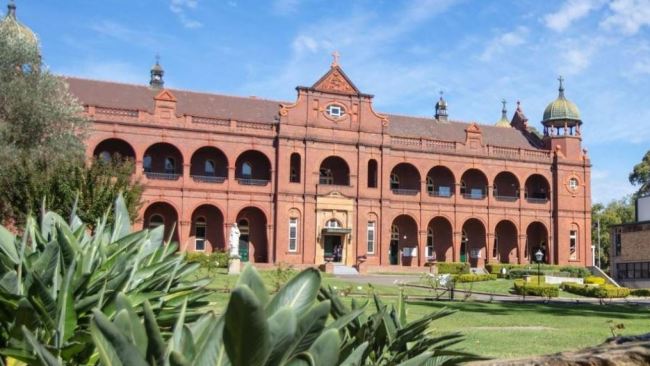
x=480, y=296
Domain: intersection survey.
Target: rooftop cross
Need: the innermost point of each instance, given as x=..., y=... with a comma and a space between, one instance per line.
x=335, y=58
x=561, y=80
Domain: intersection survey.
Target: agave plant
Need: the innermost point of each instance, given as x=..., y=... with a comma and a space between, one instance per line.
x=53, y=277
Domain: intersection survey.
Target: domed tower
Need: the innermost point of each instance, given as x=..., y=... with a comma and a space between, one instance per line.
x=19, y=31
x=503, y=122
x=157, y=73
x=441, y=109
x=562, y=123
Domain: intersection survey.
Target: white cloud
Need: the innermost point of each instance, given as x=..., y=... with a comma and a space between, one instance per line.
x=180, y=8
x=129, y=35
x=628, y=16
x=577, y=54
x=571, y=11
x=501, y=43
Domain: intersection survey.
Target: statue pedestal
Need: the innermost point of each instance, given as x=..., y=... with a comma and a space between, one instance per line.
x=234, y=266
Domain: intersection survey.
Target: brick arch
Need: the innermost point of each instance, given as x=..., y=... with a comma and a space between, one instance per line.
x=114, y=146
x=506, y=240
x=474, y=179
x=537, y=237
x=159, y=151
x=256, y=241
x=261, y=165
x=537, y=186
x=506, y=185
x=474, y=240
x=214, y=227
x=407, y=241
x=335, y=169
x=440, y=233
x=409, y=177
x=202, y=154
x=170, y=215
x=440, y=181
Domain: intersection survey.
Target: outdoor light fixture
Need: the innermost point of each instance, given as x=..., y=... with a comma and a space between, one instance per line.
x=538, y=257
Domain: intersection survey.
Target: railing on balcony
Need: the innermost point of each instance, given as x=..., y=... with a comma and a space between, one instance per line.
x=474, y=196
x=506, y=198
x=440, y=193
x=162, y=176
x=405, y=191
x=208, y=179
x=537, y=199
x=253, y=182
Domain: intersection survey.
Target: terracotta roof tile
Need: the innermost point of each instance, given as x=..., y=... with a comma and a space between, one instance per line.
x=129, y=96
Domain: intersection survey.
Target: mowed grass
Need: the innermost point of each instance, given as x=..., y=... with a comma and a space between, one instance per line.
x=500, y=287
x=499, y=330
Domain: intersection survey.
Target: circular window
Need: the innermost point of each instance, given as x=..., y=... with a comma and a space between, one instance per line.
x=335, y=111
x=573, y=184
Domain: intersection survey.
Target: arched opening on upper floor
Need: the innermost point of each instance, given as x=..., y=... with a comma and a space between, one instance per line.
x=404, y=247
x=440, y=238
x=506, y=187
x=207, y=229
x=209, y=164
x=537, y=189
x=405, y=179
x=295, y=166
x=473, y=243
x=253, y=168
x=334, y=171
x=440, y=182
x=505, y=248
x=373, y=170
x=473, y=184
x=163, y=161
x=113, y=148
x=162, y=213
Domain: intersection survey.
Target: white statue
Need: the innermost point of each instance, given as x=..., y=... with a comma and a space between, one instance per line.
x=233, y=242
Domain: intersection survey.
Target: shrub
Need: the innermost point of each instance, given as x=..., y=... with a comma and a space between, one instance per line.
x=641, y=292
x=522, y=287
x=470, y=277
x=598, y=291
x=593, y=280
x=453, y=267
x=212, y=261
x=575, y=271
x=529, y=269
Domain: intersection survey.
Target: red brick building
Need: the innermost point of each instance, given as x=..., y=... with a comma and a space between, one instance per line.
x=327, y=177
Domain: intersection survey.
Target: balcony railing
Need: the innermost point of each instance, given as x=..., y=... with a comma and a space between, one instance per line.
x=405, y=191
x=162, y=176
x=440, y=194
x=537, y=200
x=474, y=196
x=208, y=179
x=253, y=182
x=506, y=198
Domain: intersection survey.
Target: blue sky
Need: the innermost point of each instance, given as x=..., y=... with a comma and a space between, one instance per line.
x=403, y=52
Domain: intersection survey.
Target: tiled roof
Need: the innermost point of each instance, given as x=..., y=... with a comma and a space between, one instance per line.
x=129, y=96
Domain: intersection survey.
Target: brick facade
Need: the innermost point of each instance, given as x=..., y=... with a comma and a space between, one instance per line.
x=329, y=168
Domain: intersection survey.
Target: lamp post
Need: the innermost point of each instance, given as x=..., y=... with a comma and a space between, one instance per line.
x=538, y=257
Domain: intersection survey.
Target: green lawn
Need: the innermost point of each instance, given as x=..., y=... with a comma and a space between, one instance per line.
x=502, y=330
x=500, y=286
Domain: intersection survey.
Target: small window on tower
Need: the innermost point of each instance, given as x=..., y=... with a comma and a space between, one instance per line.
x=573, y=184
x=335, y=111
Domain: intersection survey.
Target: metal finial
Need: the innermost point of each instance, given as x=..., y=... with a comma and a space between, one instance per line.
x=157, y=59
x=561, y=89
x=335, y=58
x=11, y=9
x=503, y=111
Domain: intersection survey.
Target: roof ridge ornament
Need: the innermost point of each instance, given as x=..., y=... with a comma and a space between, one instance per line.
x=335, y=58
x=561, y=88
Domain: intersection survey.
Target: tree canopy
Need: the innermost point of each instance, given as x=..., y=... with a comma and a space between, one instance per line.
x=614, y=213
x=640, y=175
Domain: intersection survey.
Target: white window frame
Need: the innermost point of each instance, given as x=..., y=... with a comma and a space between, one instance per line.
x=428, y=249
x=370, y=242
x=200, y=222
x=332, y=223
x=573, y=184
x=335, y=111
x=573, y=244
x=293, y=234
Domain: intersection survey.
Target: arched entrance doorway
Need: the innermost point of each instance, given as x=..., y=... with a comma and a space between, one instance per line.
x=536, y=239
x=403, y=248
x=252, y=239
x=505, y=243
x=206, y=232
x=439, y=240
x=473, y=239
x=162, y=213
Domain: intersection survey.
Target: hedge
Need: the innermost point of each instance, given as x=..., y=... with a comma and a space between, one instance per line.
x=568, y=271
x=214, y=260
x=531, y=288
x=593, y=280
x=452, y=267
x=642, y=292
x=599, y=291
x=470, y=277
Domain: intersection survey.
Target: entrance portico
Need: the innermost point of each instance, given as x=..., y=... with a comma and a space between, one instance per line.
x=334, y=217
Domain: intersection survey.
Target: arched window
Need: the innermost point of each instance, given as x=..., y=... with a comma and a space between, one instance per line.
x=146, y=163
x=394, y=181
x=333, y=223
x=155, y=221
x=246, y=170
x=200, y=228
x=326, y=176
x=105, y=156
x=293, y=234
x=573, y=242
x=430, y=186
x=429, y=249
x=208, y=168
x=372, y=173
x=170, y=165
x=294, y=168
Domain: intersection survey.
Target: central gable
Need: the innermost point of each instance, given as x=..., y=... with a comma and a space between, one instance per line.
x=335, y=81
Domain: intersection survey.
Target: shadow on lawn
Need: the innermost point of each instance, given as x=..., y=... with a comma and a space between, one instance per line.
x=569, y=309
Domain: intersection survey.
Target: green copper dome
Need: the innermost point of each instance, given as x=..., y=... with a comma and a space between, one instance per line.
x=561, y=108
x=11, y=25
x=503, y=122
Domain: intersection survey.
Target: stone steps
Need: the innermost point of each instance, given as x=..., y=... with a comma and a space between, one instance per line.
x=342, y=269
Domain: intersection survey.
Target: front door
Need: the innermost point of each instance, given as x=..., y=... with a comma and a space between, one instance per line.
x=463, y=252
x=333, y=248
x=393, y=252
